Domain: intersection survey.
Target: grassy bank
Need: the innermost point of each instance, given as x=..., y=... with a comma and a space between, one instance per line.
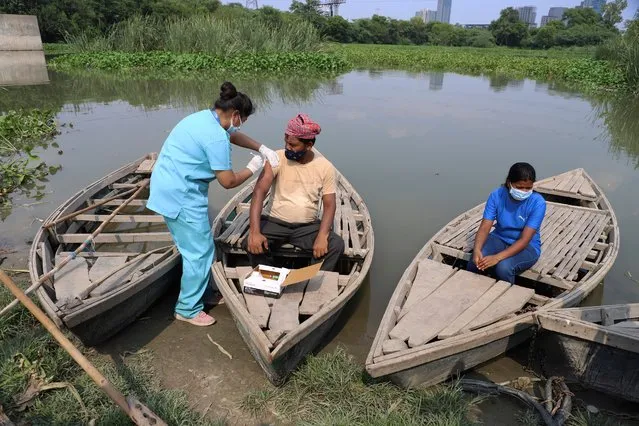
x=29, y=356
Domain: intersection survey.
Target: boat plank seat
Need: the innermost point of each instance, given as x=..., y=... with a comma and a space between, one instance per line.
x=348, y=223
x=255, y=303
x=321, y=290
x=72, y=279
x=124, y=275
x=104, y=265
x=285, y=311
x=571, y=184
x=569, y=235
x=146, y=166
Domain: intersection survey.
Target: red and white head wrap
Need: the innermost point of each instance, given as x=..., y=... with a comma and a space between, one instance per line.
x=303, y=127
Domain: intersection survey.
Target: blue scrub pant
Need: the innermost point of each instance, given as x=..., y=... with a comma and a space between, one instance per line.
x=507, y=269
x=195, y=243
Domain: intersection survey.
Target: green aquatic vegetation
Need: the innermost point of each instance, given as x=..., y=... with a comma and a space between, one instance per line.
x=181, y=63
x=21, y=171
x=576, y=68
x=333, y=389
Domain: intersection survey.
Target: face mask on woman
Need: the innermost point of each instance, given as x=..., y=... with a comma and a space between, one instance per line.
x=518, y=194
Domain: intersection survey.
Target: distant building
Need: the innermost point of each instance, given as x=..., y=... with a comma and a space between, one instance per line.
x=554, y=14
x=597, y=5
x=443, y=10
x=477, y=26
x=528, y=14
x=546, y=19
x=427, y=15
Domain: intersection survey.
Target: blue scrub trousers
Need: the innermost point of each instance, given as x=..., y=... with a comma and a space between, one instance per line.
x=507, y=269
x=195, y=242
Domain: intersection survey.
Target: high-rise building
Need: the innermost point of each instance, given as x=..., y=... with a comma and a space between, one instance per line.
x=528, y=14
x=597, y=5
x=443, y=10
x=427, y=15
x=557, y=12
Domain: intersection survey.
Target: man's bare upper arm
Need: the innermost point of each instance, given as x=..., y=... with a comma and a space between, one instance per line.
x=265, y=180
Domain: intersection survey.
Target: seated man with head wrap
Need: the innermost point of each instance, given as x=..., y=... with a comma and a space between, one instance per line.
x=299, y=183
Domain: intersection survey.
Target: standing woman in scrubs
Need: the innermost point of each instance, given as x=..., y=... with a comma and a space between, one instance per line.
x=196, y=152
x=514, y=246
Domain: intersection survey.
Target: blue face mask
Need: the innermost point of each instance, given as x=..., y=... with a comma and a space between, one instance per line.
x=232, y=129
x=294, y=156
x=519, y=195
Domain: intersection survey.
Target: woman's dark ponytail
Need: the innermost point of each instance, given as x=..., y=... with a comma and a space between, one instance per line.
x=231, y=99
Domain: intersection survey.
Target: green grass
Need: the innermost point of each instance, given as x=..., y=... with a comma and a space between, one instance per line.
x=181, y=63
x=571, y=66
x=27, y=351
x=332, y=389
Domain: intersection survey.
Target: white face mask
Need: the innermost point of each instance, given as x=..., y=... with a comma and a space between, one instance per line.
x=519, y=195
x=232, y=129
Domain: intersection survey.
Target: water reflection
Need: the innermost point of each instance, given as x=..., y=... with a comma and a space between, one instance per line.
x=436, y=81
x=22, y=68
x=621, y=118
x=499, y=83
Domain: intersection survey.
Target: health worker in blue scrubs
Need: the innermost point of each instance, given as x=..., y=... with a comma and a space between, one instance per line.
x=196, y=152
x=517, y=213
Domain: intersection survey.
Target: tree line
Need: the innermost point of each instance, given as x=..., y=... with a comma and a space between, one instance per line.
x=579, y=26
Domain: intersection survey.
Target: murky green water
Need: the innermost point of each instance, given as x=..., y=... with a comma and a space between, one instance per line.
x=420, y=149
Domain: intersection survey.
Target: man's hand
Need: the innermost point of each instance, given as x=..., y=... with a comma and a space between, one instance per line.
x=257, y=243
x=488, y=262
x=320, y=246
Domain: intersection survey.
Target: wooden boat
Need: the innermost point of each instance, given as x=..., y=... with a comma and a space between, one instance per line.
x=442, y=320
x=281, y=332
x=128, y=264
x=596, y=346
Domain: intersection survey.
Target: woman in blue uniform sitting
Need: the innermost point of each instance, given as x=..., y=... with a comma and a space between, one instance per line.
x=196, y=152
x=514, y=246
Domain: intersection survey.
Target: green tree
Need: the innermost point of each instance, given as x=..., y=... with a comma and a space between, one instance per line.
x=271, y=15
x=613, y=10
x=581, y=16
x=338, y=29
x=509, y=30
x=546, y=36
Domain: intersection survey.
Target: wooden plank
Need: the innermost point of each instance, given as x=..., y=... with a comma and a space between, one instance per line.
x=117, y=238
x=146, y=166
x=567, y=182
x=460, y=323
x=606, y=317
x=104, y=265
x=430, y=275
x=579, y=259
x=577, y=182
x=321, y=289
x=586, y=189
x=136, y=218
x=103, y=254
x=133, y=203
x=72, y=279
x=274, y=335
x=422, y=323
x=242, y=227
x=255, y=303
x=570, y=249
x=553, y=256
x=393, y=345
x=236, y=222
x=627, y=324
x=285, y=315
x=124, y=275
x=508, y=303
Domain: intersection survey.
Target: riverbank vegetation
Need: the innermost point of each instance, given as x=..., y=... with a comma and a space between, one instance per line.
x=21, y=171
x=41, y=384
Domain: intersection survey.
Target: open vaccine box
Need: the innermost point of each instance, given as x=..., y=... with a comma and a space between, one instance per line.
x=270, y=281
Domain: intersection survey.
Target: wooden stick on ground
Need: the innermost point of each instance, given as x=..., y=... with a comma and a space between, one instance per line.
x=139, y=414
x=52, y=272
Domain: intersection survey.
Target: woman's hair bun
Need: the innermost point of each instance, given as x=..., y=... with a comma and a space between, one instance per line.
x=227, y=91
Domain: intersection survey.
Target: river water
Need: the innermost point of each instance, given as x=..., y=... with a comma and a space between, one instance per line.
x=419, y=147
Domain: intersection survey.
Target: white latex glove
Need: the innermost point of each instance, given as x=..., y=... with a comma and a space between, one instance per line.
x=256, y=163
x=270, y=155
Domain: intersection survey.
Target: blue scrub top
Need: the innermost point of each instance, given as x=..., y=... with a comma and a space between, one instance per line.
x=196, y=147
x=512, y=216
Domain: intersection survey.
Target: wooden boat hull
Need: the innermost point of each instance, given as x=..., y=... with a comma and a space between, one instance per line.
x=435, y=361
x=597, y=366
x=98, y=319
x=280, y=356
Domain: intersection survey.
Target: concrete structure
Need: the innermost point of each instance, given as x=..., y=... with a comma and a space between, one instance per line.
x=19, y=32
x=546, y=19
x=427, y=15
x=557, y=12
x=443, y=10
x=528, y=14
x=598, y=5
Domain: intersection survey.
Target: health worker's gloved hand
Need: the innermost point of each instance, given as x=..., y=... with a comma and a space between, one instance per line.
x=270, y=155
x=256, y=163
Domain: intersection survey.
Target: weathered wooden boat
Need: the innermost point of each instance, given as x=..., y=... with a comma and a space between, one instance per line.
x=596, y=346
x=442, y=320
x=101, y=257
x=281, y=332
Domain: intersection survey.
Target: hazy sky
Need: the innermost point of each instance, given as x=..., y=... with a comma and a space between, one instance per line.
x=463, y=11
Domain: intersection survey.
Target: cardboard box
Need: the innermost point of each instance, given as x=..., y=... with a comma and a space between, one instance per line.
x=270, y=281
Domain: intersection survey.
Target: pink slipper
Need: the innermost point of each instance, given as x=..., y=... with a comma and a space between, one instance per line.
x=202, y=319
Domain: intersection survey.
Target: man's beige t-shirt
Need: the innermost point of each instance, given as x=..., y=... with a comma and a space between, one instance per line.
x=298, y=188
